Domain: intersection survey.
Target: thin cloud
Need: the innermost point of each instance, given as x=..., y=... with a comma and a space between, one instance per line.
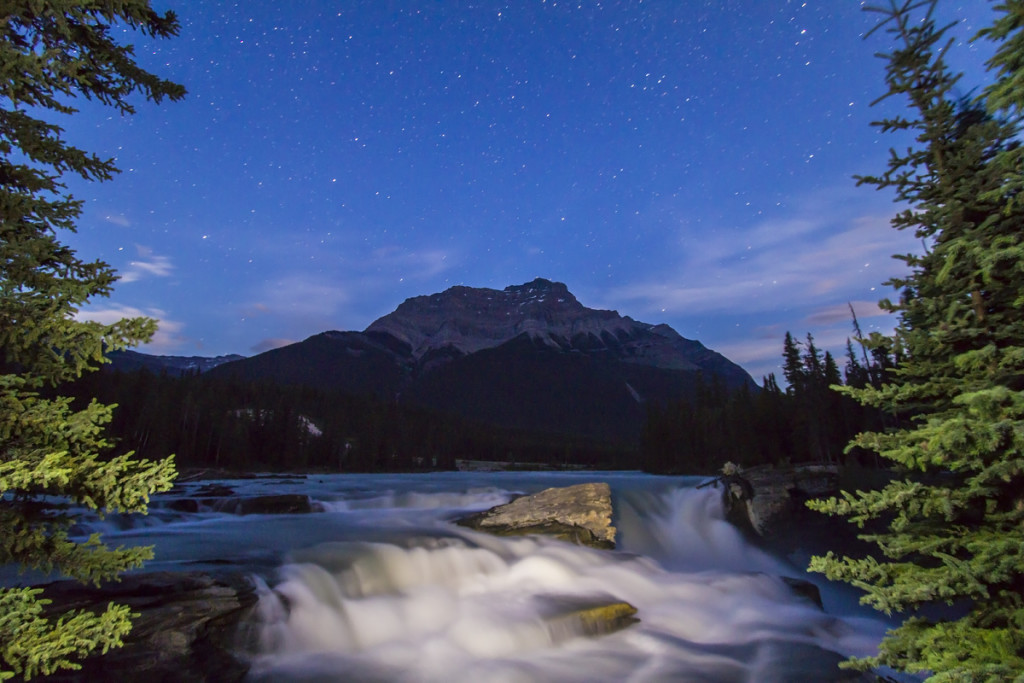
x=270, y=344
x=801, y=262
x=318, y=300
x=798, y=273
x=119, y=220
x=831, y=315
x=410, y=264
x=759, y=357
x=167, y=339
x=300, y=296
x=255, y=309
x=831, y=327
x=148, y=264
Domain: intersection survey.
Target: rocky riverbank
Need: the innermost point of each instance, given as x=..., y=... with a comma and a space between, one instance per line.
x=766, y=499
x=191, y=626
x=186, y=627
x=198, y=626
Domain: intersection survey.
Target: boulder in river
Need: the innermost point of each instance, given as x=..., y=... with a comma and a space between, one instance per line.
x=580, y=514
x=805, y=590
x=569, y=616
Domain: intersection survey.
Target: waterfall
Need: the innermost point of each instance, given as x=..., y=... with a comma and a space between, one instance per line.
x=436, y=602
x=685, y=530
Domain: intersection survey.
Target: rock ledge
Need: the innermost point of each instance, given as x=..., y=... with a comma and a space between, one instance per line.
x=764, y=498
x=580, y=514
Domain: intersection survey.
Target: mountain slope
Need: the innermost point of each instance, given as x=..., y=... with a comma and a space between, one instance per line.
x=355, y=363
x=526, y=384
x=527, y=357
x=467, y=320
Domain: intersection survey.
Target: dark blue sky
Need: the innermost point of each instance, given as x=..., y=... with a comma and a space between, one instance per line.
x=680, y=162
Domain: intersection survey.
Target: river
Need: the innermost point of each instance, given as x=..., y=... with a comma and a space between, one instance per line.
x=381, y=586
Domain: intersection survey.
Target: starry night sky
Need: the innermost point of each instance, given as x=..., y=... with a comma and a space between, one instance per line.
x=680, y=162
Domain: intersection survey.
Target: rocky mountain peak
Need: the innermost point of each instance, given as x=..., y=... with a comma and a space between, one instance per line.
x=465, y=320
x=527, y=357
x=540, y=287
x=472, y=318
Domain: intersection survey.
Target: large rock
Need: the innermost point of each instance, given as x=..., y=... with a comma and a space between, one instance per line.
x=765, y=498
x=568, y=616
x=185, y=629
x=580, y=514
x=805, y=590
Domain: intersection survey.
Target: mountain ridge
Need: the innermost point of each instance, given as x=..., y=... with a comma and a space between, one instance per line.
x=128, y=360
x=529, y=357
x=471, y=319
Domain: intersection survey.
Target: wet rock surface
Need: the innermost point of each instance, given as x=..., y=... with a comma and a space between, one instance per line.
x=805, y=589
x=186, y=627
x=569, y=616
x=580, y=514
x=192, y=626
x=279, y=504
x=766, y=500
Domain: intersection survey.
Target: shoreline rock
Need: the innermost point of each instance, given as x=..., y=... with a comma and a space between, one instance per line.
x=580, y=514
x=762, y=499
x=185, y=629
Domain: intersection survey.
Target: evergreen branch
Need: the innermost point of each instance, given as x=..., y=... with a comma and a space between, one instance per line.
x=33, y=644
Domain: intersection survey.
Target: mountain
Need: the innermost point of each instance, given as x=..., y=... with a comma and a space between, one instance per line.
x=128, y=361
x=465, y=320
x=528, y=357
x=469, y=319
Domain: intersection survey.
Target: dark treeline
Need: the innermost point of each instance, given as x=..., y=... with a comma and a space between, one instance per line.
x=808, y=421
x=238, y=424
x=257, y=425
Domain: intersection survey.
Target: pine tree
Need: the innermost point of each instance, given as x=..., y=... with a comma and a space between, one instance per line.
x=954, y=532
x=52, y=51
x=793, y=364
x=856, y=374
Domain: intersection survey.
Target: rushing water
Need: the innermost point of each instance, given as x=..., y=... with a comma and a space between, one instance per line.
x=381, y=585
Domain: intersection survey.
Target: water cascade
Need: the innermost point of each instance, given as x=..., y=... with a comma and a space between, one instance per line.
x=434, y=602
x=380, y=585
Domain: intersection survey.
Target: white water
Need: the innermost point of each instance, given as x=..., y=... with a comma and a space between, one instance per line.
x=382, y=586
x=456, y=605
